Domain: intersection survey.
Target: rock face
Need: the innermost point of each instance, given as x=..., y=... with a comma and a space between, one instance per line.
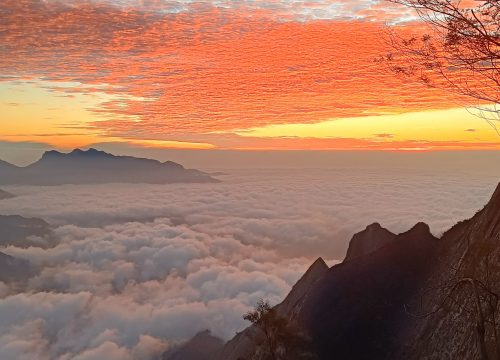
x=295, y=299
x=471, y=249
x=242, y=346
x=23, y=232
x=5, y=195
x=369, y=240
x=355, y=311
x=198, y=348
x=97, y=167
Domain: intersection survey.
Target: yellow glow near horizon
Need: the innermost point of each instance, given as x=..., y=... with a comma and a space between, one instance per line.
x=437, y=125
x=37, y=113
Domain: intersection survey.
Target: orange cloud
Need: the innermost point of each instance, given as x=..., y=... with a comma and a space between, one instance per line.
x=207, y=69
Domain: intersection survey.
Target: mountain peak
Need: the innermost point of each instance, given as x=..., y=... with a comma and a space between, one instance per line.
x=495, y=198
x=420, y=228
x=299, y=291
x=369, y=240
x=51, y=154
x=318, y=264
x=74, y=153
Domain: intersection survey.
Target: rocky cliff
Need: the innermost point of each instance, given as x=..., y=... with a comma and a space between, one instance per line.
x=356, y=310
x=369, y=240
x=449, y=326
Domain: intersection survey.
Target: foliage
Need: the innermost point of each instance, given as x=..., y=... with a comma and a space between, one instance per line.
x=279, y=338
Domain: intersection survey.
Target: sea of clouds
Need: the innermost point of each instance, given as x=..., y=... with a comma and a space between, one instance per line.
x=139, y=268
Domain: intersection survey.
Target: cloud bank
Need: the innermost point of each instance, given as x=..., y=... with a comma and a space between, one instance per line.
x=189, y=68
x=140, y=268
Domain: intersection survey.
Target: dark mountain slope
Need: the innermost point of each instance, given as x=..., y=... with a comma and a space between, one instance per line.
x=356, y=309
x=95, y=167
x=471, y=249
x=22, y=232
x=369, y=240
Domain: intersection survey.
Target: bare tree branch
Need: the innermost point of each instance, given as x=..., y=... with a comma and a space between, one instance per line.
x=459, y=52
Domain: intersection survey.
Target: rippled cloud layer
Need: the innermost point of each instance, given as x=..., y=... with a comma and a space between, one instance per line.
x=172, y=70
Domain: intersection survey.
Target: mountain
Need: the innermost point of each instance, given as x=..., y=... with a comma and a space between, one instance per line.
x=97, y=167
x=5, y=195
x=197, y=348
x=19, y=231
x=369, y=240
x=405, y=296
x=355, y=310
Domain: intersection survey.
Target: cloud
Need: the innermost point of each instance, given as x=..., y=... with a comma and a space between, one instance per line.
x=138, y=268
x=208, y=67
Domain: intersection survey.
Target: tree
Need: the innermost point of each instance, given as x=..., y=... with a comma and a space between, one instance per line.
x=459, y=50
x=280, y=339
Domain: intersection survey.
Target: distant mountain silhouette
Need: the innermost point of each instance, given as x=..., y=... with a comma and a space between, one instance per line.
x=23, y=232
x=363, y=307
x=198, y=348
x=20, y=232
x=12, y=269
x=97, y=167
x=5, y=195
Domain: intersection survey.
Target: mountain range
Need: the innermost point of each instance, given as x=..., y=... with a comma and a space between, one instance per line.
x=398, y=296
x=96, y=167
x=21, y=232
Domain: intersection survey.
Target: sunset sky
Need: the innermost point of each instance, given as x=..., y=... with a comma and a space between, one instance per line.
x=218, y=74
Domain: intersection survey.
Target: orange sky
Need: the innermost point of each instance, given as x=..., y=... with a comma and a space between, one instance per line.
x=225, y=74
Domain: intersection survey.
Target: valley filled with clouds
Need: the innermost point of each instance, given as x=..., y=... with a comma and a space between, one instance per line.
x=135, y=269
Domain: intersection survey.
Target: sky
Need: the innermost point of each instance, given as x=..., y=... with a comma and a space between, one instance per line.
x=223, y=75
x=259, y=94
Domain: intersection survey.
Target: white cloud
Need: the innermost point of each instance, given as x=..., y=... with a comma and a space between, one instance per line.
x=140, y=267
